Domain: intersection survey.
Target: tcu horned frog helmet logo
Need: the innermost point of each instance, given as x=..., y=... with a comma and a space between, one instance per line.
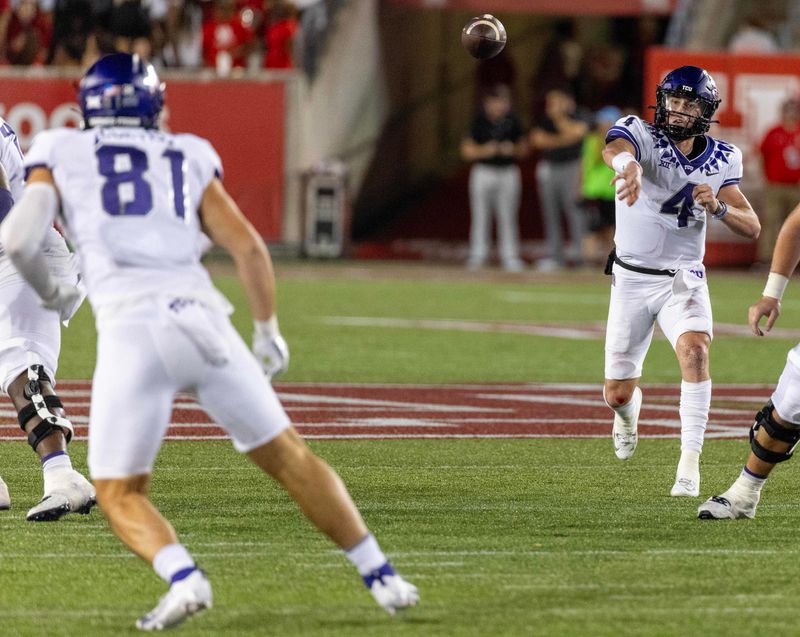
x=691, y=83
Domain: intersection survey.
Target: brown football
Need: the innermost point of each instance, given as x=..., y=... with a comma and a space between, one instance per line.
x=483, y=36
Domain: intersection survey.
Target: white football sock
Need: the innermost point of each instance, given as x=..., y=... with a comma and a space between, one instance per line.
x=694, y=406
x=689, y=465
x=53, y=467
x=747, y=483
x=366, y=556
x=172, y=559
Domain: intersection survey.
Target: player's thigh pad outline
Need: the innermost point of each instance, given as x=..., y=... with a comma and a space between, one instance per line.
x=631, y=318
x=131, y=401
x=163, y=361
x=686, y=310
x=240, y=399
x=28, y=333
x=236, y=395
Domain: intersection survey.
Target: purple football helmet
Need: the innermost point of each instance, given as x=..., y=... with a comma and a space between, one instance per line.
x=692, y=83
x=121, y=90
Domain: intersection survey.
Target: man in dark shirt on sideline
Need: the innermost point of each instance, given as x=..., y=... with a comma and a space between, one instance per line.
x=559, y=138
x=495, y=142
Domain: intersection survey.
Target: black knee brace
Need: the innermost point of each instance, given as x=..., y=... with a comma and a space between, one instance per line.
x=39, y=406
x=775, y=431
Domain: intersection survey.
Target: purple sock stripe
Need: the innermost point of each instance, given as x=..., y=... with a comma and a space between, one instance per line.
x=182, y=574
x=378, y=574
x=55, y=454
x=755, y=475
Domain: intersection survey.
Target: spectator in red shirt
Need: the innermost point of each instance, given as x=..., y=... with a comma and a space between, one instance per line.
x=28, y=35
x=781, y=153
x=225, y=38
x=279, y=36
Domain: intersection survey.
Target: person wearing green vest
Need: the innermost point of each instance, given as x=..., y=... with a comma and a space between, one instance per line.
x=598, y=191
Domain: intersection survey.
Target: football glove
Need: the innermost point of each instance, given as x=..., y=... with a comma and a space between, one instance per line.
x=65, y=299
x=270, y=348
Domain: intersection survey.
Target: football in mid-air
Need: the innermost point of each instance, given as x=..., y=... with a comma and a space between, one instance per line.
x=484, y=36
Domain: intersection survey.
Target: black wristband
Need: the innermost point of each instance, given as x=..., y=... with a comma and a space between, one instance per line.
x=721, y=211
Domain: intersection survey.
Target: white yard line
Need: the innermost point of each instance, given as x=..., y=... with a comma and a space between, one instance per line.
x=290, y=398
x=585, y=330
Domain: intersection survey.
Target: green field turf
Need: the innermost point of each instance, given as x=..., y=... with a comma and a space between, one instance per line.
x=503, y=537
x=324, y=352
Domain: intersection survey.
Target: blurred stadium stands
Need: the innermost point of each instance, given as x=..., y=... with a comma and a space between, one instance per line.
x=385, y=88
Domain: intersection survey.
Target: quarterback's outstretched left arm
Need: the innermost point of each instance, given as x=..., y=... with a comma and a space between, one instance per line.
x=784, y=261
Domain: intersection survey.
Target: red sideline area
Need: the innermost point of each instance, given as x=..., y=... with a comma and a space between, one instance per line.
x=350, y=411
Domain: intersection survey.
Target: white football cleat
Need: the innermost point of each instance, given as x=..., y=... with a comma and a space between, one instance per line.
x=72, y=493
x=183, y=599
x=625, y=435
x=390, y=590
x=686, y=487
x=729, y=506
x=5, y=499
x=687, y=476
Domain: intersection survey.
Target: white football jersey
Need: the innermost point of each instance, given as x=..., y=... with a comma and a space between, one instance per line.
x=665, y=229
x=11, y=158
x=129, y=203
x=54, y=248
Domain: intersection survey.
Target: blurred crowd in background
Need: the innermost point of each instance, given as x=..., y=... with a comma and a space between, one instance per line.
x=230, y=36
x=569, y=98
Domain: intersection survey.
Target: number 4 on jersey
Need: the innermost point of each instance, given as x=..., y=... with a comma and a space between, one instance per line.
x=680, y=204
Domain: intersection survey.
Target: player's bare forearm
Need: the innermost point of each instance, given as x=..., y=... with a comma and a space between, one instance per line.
x=227, y=226
x=614, y=148
x=254, y=267
x=619, y=155
x=785, y=258
x=787, y=248
x=730, y=206
x=743, y=222
x=740, y=216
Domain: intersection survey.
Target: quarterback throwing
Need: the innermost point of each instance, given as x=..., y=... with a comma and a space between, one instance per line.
x=672, y=180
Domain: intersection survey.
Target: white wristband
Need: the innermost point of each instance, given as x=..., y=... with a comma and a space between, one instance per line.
x=268, y=328
x=621, y=160
x=776, y=284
